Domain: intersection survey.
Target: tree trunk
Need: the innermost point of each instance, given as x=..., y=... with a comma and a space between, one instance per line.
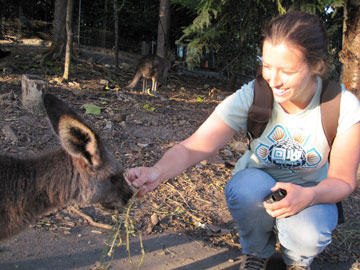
x=33, y=89
x=104, y=23
x=1, y=19
x=116, y=29
x=350, y=54
x=58, y=40
x=69, y=13
x=163, y=29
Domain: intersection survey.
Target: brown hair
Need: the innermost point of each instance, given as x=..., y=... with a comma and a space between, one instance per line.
x=304, y=31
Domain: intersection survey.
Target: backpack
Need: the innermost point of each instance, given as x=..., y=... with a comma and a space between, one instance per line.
x=261, y=109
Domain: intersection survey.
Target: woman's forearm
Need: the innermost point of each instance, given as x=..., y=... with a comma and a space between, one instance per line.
x=176, y=160
x=331, y=190
x=207, y=140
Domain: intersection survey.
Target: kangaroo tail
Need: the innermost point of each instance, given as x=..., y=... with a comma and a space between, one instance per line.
x=134, y=80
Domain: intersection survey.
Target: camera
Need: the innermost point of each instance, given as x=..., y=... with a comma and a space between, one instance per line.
x=275, y=196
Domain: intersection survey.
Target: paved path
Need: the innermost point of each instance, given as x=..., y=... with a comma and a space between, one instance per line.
x=82, y=249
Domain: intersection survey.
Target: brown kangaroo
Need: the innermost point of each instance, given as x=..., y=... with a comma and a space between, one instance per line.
x=81, y=171
x=150, y=67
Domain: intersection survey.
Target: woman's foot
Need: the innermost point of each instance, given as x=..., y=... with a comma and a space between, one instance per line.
x=250, y=262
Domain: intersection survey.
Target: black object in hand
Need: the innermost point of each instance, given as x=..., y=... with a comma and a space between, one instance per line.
x=275, y=196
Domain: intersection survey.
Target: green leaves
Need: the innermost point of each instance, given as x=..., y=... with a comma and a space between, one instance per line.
x=148, y=107
x=91, y=109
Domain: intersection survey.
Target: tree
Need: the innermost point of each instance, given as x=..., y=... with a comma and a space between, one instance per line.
x=104, y=23
x=233, y=28
x=350, y=54
x=163, y=29
x=230, y=28
x=69, y=32
x=116, y=29
x=59, y=34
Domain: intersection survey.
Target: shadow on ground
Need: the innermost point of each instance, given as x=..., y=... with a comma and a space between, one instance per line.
x=40, y=250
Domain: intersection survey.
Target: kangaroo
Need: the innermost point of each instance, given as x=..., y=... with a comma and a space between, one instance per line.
x=82, y=170
x=150, y=67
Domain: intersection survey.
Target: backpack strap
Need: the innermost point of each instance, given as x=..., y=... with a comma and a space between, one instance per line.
x=261, y=109
x=330, y=108
x=330, y=111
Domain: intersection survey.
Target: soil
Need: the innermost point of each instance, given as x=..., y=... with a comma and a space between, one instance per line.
x=184, y=223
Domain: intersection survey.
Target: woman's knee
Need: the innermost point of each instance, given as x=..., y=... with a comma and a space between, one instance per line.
x=309, y=230
x=304, y=237
x=248, y=187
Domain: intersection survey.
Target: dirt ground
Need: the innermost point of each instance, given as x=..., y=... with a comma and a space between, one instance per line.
x=184, y=223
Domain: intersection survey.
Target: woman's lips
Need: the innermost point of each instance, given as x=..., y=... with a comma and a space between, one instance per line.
x=279, y=92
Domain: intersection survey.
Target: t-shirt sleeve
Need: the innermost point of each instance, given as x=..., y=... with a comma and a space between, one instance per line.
x=234, y=109
x=349, y=111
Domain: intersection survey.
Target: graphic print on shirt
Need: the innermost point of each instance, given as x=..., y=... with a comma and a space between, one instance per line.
x=288, y=150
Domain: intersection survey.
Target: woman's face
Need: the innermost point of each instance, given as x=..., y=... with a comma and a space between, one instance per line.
x=289, y=76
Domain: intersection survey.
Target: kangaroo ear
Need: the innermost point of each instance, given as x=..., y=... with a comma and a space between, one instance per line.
x=79, y=140
x=55, y=109
x=76, y=137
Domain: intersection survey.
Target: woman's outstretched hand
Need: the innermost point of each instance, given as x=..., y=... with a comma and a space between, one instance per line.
x=143, y=178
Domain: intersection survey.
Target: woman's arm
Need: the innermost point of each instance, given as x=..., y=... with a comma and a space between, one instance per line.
x=343, y=166
x=204, y=142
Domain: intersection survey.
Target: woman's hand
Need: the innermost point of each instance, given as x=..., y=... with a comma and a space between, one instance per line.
x=297, y=199
x=144, y=178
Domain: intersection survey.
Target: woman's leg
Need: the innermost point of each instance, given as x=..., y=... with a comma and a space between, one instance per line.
x=306, y=234
x=244, y=194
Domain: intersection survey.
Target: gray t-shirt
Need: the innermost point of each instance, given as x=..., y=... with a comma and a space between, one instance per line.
x=293, y=147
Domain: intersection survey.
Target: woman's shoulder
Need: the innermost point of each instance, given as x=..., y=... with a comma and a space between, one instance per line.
x=245, y=94
x=234, y=109
x=349, y=110
x=348, y=96
x=247, y=88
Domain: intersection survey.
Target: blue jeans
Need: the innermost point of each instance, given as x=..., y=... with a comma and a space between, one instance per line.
x=301, y=236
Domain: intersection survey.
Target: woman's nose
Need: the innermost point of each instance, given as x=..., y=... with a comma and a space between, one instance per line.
x=274, y=79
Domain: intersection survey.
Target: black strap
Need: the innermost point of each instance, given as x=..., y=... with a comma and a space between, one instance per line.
x=330, y=111
x=330, y=108
x=341, y=216
x=261, y=109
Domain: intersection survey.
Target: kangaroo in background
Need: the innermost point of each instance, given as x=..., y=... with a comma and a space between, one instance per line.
x=150, y=67
x=82, y=170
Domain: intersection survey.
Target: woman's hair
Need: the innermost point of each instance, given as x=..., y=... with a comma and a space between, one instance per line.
x=305, y=32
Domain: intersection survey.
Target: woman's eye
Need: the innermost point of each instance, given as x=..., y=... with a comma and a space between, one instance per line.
x=289, y=72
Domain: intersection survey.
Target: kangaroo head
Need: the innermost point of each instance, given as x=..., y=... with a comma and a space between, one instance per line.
x=100, y=173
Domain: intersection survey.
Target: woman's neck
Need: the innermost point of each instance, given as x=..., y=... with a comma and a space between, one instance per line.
x=293, y=106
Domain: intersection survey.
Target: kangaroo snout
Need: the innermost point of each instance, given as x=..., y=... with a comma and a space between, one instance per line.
x=119, y=194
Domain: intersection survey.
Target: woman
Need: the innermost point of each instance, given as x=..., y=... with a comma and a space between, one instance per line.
x=295, y=58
